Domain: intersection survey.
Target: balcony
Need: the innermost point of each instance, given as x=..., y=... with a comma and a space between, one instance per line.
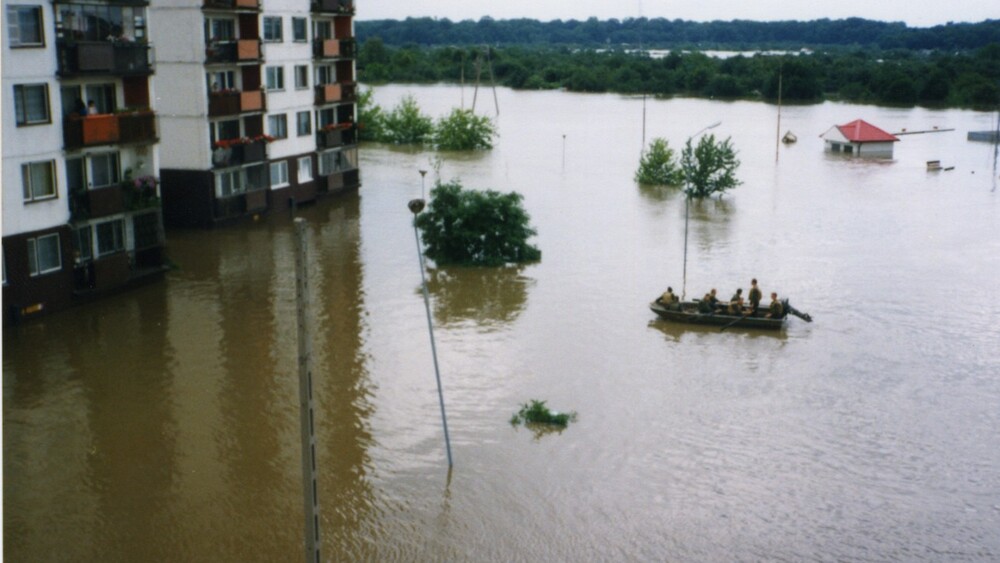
x=80, y=58
x=333, y=6
x=236, y=152
x=110, y=128
x=334, y=48
x=231, y=5
x=231, y=52
x=338, y=92
x=112, y=200
x=337, y=136
x=234, y=102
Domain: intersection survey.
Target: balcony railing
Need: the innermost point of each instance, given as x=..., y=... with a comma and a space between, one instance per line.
x=111, y=128
x=226, y=154
x=333, y=6
x=103, y=57
x=233, y=102
x=334, y=48
x=337, y=92
x=243, y=50
x=337, y=137
x=232, y=4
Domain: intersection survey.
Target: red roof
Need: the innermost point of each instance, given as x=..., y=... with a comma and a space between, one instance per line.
x=859, y=131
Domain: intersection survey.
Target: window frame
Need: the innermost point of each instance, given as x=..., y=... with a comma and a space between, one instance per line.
x=304, y=163
x=111, y=161
x=14, y=23
x=301, y=73
x=34, y=267
x=28, y=193
x=118, y=236
x=278, y=72
x=278, y=118
x=21, y=109
x=268, y=34
x=282, y=167
x=298, y=37
x=303, y=127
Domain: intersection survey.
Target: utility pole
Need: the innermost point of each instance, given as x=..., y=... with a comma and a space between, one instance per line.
x=303, y=306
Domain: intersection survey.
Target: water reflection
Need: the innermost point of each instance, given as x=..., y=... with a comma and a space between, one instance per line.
x=486, y=296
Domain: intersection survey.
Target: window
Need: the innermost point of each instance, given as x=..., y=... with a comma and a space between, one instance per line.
x=337, y=161
x=31, y=104
x=303, y=123
x=275, y=76
x=110, y=237
x=277, y=126
x=39, y=180
x=279, y=173
x=93, y=21
x=220, y=30
x=222, y=80
x=322, y=29
x=44, y=255
x=325, y=74
x=305, y=166
x=24, y=26
x=299, y=29
x=104, y=170
x=301, y=76
x=224, y=130
x=84, y=244
x=229, y=183
x=272, y=28
x=325, y=117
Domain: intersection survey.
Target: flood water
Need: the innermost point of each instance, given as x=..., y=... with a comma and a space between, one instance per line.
x=162, y=424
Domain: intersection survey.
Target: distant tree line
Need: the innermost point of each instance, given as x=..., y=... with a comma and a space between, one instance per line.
x=664, y=33
x=886, y=77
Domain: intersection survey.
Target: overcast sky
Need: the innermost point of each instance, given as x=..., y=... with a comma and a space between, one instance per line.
x=916, y=13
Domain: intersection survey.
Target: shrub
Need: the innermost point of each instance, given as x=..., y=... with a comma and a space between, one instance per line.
x=477, y=228
x=406, y=125
x=710, y=167
x=463, y=130
x=658, y=165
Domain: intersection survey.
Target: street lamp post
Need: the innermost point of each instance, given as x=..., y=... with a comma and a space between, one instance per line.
x=416, y=206
x=422, y=174
x=687, y=207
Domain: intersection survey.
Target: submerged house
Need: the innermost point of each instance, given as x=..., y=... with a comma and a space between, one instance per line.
x=859, y=138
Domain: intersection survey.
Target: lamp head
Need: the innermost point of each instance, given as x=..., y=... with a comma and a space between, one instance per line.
x=416, y=205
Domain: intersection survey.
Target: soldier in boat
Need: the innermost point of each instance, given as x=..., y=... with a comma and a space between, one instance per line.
x=754, y=296
x=775, y=310
x=736, y=303
x=706, y=305
x=669, y=299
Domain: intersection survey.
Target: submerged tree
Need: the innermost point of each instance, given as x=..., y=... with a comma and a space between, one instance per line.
x=371, y=118
x=405, y=124
x=710, y=167
x=477, y=228
x=658, y=165
x=463, y=130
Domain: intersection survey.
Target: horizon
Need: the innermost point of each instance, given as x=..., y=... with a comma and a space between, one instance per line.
x=914, y=14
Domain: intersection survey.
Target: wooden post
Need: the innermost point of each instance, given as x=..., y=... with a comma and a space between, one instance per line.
x=303, y=305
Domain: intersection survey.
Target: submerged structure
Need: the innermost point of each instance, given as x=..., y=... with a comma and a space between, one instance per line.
x=859, y=138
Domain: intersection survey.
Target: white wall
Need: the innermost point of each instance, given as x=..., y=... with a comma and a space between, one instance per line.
x=34, y=65
x=288, y=54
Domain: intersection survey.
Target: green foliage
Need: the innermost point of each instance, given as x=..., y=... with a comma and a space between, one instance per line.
x=658, y=165
x=371, y=118
x=536, y=412
x=710, y=167
x=476, y=228
x=463, y=130
x=948, y=78
x=406, y=125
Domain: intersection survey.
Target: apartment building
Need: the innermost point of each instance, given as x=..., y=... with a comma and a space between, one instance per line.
x=81, y=207
x=257, y=102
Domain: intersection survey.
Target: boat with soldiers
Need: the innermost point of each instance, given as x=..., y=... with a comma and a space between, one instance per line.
x=694, y=312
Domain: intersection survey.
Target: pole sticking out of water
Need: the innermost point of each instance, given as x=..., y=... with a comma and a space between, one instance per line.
x=303, y=306
x=422, y=174
x=777, y=134
x=416, y=206
x=687, y=211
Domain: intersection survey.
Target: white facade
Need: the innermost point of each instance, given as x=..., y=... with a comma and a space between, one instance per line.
x=23, y=144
